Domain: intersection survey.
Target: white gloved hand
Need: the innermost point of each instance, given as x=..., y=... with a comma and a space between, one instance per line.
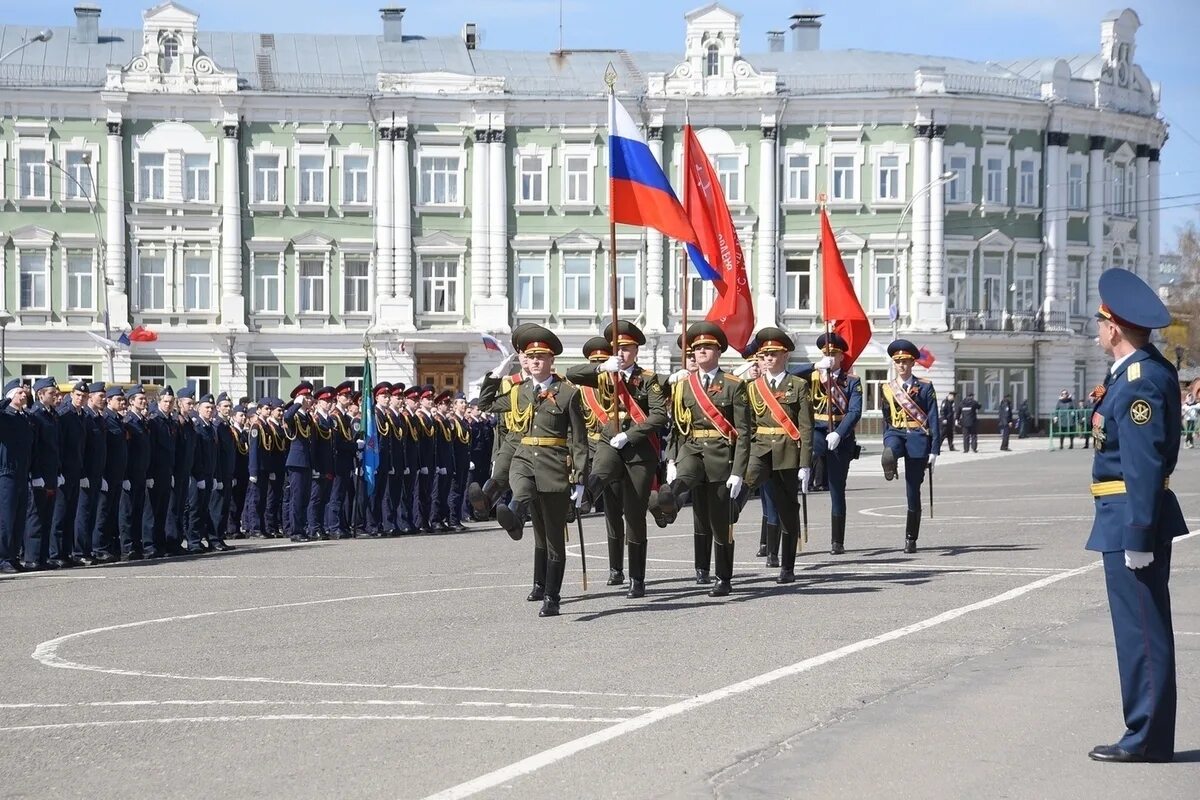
x=218, y=485
x=734, y=484
x=1137, y=559
x=234, y=482
x=932, y=458
x=84, y=483
x=172, y=481
x=470, y=465
x=271, y=477
x=424, y=470
x=577, y=495
x=316, y=475
x=392, y=471
x=443, y=471
x=678, y=375
x=610, y=364
x=149, y=483
x=504, y=366
x=61, y=480
x=805, y=479
x=254, y=479
x=361, y=445
x=619, y=441
x=126, y=486
x=824, y=363
x=38, y=483
x=742, y=371
x=832, y=440
x=407, y=471
x=103, y=485
x=201, y=484
x=672, y=472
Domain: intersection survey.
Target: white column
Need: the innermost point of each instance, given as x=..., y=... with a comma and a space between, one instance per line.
x=384, y=271
x=768, y=209
x=114, y=233
x=919, y=260
x=489, y=260
x=1142, y=205
x=656, y=266
x=1054, y=219
x=937, y=213
x=233, y=304
x=396, y=310
x=1095, y=262
x=1153, y=202
x=498, y=221
x=480, y=271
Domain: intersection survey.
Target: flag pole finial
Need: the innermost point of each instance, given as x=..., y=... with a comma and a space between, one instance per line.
x=610, y=77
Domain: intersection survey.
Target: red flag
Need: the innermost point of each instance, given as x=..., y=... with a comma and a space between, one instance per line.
x=142, y=334
x=841, y=307
x=733, y=309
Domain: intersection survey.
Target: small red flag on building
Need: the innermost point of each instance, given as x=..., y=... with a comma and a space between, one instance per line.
x=142, y=334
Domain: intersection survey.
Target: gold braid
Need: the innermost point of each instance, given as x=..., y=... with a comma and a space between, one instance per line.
x=518, y=421
x=757, y=404
x=683, y=414
x=237, y=440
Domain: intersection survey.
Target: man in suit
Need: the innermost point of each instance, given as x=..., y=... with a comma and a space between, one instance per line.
x=91, y=481
x=910, y=432
x=18, y=437
x=45, y=475
x=136, y=542
x=164, y=432
x=1136, y=423
x=72, y=440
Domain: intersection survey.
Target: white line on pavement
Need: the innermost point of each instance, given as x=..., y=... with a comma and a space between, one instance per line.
x=423, y=703
x=109, y=723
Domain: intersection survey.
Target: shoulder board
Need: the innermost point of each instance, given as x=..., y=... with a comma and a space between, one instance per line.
x=647, y=373
x=850, y=374
x=924, y=380
x=729, y=376
x=516, y=379
x=1134, y=372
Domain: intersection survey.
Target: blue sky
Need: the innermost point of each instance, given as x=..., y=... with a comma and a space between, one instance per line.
x=981, y=30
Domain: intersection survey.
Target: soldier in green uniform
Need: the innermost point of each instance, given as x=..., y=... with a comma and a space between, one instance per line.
x=627, y=453
x=499, y=381
x=781, y=448
x=709, y=452
x=550, y=458
x=597, y=350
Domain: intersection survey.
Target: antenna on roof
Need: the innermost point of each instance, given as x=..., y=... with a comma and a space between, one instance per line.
x=560, y=26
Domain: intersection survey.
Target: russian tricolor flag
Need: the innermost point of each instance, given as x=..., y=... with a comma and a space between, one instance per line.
x=640, y=192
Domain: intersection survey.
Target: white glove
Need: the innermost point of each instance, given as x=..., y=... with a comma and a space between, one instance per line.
x=824, y=363
x=443, y=471
x=932, y=458
x=84, y=483
x=678, y=375
x=61, y=480
x=1136, y=559
x=672, y=472
x=619, y=441
x=734, y=484
x=316, y=474
x=254, y=479
x=392, y=471
x=38, y=483
x=361, y=445
x=471, y=465
x=611, y=364
x=407, y=471
x=234, y=482
x=504, y=366
x=832, y=440
x=805, y=479
x=271, y=477
x=745, y=368
x=125, y=485
x=577, y=495
x=201, y=484
x=172, y=481
x=149, y=483
x=103, y=485
x=424, y=470
x=218, y=485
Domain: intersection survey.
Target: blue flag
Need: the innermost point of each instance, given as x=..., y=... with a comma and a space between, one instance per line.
x=370, y=430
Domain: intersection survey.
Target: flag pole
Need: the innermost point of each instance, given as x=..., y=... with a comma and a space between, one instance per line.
x=683, y=254
x=610, y=80
x=824, y=284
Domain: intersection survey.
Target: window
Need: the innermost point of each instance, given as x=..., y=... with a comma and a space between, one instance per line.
x=439, y=285
x=199, y=377
x=266, y=380
x=993, y=283
x=577, y=178
x=797, y=284
x=439, y=180
x=79, y=184
x=889, y=178
x=265, y=297
x=1027, y=194
x=873, y=381
x=1117, y=198
x=1077, y=298
x=1130, y=191
x=798, y=178
x=712, y=61
x=266, y=178
x=310, y=176
x=197, y=281
x=31, y=372
x=1018, y=386
x=1024, y=286
x=531, y=283
x=958, y=190
x=197, y=178
x=355, y=373
x=80, y=372
x=958, y=282
x=152, y=374
x=994, y=193
x=356, y=285
x=1076, y=188
x=313, y=373
x=885, y=280
x=966, y=379
x=33, y=181
x=152, y=177
x=532, y=179
x=577, y=282
x=152, y=281
x=628, y=289
x=80, y=280
x=356, y=180
x=312, y=285
x=993, y=389
x=34, y=268
x=169, y=54
x=729, y=173
x=844, y=178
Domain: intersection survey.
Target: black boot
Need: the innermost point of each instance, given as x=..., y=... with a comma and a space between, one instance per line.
x=664, y=504
x=616, y=561
x=762, y=539
x=889, y=464
x=512, y=518
x=787, y=570
x=912, y=527
x=637, y=571
x=723, y=555
x=539, y=575
x=839, y=536
x=703, y=549
x=554, y=579
x=483, y=498
x=773, y=545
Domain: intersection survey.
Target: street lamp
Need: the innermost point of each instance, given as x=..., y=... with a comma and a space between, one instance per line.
x=941, y=180
x=44, y=35
x=87, y=161
x=5, y=318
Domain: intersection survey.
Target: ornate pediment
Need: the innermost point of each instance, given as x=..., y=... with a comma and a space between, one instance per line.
x=713, y=64
x=440, y=83
x=171, y=60
x=312, y=241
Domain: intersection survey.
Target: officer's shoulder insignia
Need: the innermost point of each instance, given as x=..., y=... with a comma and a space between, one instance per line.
x=1140, y=411
x=647, y=373
x=1133, y=373
x=858, y=387
x=729, y=376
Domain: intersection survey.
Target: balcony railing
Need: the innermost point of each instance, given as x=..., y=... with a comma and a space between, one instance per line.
x=1009, y=321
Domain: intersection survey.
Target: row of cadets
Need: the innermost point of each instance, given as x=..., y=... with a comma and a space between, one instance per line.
x=596, y=413
x=483, y=439
x=397, y=486
x=232, y=468
x=18, y=435
x=267, y=451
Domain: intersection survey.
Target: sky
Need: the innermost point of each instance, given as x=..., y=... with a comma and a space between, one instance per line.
x=981, y=30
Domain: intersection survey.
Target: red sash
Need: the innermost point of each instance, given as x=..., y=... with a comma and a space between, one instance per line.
x=710, y=410
x=905, y=401
x=593, y=402
x=777, y=412
x=626, y=399
x=837, y=397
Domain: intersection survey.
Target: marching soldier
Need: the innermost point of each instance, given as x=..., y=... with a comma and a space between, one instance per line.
x=627, y=454
x=91, y=481
x=710, y=452
x=66, y=501
x=163, y=432
x=297, y=426
x=551, y=458
x=781, y=445
x=910, y=432
x=136, y=543
x=597, y=350
x=44, y=472
x=17, y=440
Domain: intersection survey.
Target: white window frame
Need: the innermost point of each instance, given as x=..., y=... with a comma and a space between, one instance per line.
x=81, y=372
x=265, y=380
x=70, y=279
x=1004, y=155
x=44, y=152
x=144, y=193
x=1077, y=286
x=152, y=374
x=362, y=283
x=313, y=255
x=960, y=266
x=43, y=273
x=730, y=175
x=427, y=153
x=569, y=152
x=900, y=153
x=839, y=150
x=153, y=250
x=262, y=153
x=813, y=154
x=589, y=259
x=1028, y=191
x=192, y=377
x=1026, y=270
x=188, y=171
x=996, y=283
x=712, y=60
x=623, y=279
x=541, y=276
x=314, y=373
x=789, y=300
x=195, y=253
x=882, y=283
x=1018, y=387
x=992, y=389
x=277, y=257
x=452, y=286
x=966, y=380
x=306, y=153
x=356, y=151
x=1082, y=163
x=537, y=174
x=68, y=191
x=963, y=184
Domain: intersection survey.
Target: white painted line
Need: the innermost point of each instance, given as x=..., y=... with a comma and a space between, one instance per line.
x=553, y=755
x=47, y=652
x=1187, y=633
x=305, y=703
x=111, y=723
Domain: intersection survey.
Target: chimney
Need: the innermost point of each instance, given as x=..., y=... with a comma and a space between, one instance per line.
x=774, y=41
x=806, y=31
x=87, y=23
x=470, y=36
x=392, y=28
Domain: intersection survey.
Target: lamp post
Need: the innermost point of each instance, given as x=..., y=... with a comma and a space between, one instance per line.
x=942, y=180
x=5, y=318
x=44, y=35
x=87, y=161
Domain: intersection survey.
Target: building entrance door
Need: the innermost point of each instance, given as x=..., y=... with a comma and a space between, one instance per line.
x=441, y=371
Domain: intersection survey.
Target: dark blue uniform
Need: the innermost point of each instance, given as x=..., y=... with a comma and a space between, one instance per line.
x=842, y=419
x=912, y=431
x=221, y=497
x=200, y=485
x=460, y=470
x=411, y=448
x=134, y=537
x=345, y=448
x=91, y=484
x=276, y=458
x=164, y=431
x=298, y=426
x=258, y=468
x=72, y=440
x=241, y=482
x=424, y=469
x=321, y=453
x=177, y=513
x=398, y=510
x=377, y=517
x=17, y=437
x=43, y=485
x=116, y=456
